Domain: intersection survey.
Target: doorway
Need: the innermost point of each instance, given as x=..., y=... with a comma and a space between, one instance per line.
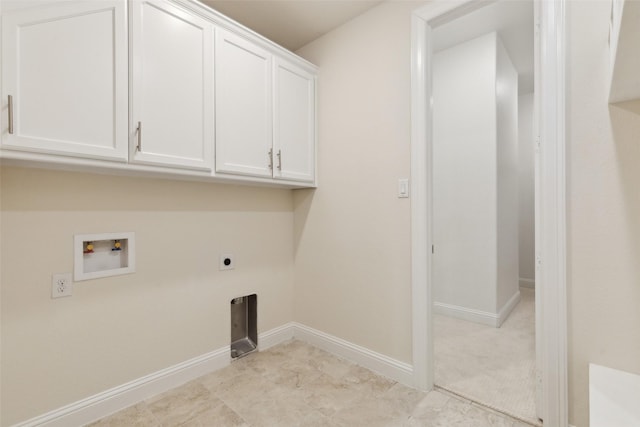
x=549, y=196
x=484, y=324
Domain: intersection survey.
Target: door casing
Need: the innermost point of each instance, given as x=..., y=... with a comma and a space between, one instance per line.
x=550, y=197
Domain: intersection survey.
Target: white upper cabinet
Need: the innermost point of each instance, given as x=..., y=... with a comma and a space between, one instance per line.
x=172, y=86
x=243, y=107
x=294, y=122
x=153, y=86
x=265, y=113
x=65, y=78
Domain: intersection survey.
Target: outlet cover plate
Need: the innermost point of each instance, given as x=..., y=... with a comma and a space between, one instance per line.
x=61, y=285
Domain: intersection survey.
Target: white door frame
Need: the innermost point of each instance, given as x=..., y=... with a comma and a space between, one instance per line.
x=550, y=196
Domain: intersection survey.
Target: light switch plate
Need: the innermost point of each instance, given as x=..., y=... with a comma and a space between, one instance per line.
x=403, y=188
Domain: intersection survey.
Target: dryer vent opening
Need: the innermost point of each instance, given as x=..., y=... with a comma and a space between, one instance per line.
x=244, y=325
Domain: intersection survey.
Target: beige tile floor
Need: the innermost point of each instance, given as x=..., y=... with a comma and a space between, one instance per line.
x=295, y=384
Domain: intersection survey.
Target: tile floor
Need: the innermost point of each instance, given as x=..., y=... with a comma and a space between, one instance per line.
x=295, y=384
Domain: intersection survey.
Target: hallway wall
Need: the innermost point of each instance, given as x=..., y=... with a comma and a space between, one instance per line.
x=475, y=169
x=506, y=93
x=465, y=205
x=526, y=187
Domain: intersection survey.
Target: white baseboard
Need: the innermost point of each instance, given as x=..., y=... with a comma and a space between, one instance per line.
x=103, y=404
x=478, y=316
x=527, y=283
x=468, y=314
x=396, y=370
x=507, y=308
x=275, y=336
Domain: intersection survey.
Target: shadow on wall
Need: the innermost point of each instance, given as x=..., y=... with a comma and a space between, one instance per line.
x=632, y=106
x=625, y=125
x=43, y=190
x=302, y=201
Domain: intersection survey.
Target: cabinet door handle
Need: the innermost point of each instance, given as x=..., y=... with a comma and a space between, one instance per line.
x=10, y=100
x=139, y=131
x=271, y=159
x=279, y=160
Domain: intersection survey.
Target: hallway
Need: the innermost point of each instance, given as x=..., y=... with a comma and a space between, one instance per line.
x=491, y=366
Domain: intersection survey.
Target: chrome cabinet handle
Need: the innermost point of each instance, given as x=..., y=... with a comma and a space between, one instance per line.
x=10, y=114
x=271, y=159
x=279, y=160
x=139, y=131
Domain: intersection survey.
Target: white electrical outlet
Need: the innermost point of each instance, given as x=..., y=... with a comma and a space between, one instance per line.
x=227, y=262
x=61, y=285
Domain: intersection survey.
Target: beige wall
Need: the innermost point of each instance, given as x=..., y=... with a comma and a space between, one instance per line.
x=114, y=330
x=603, y=211
x=352, y=234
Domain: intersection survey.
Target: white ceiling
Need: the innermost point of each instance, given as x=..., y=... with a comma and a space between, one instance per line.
x=292, y=23
x=512, y=20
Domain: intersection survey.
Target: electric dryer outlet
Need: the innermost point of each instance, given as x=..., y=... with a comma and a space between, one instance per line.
x=227, y=262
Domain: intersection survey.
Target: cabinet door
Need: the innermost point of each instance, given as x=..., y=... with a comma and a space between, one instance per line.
x=243, y=107
x=294, y=123
x=65, y=79
x=172, y=90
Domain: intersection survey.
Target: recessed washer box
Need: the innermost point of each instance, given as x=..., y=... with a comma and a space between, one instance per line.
x=103, y=255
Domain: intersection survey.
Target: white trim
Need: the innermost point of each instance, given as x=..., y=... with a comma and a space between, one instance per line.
x=478, y=316
x=537, y=229
x=464, y=313
x=527, y=283
x=103, y=404
x=422, y=330
x=507, y=308
x=550, y=199
x=275, y=336
x=379, y=363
